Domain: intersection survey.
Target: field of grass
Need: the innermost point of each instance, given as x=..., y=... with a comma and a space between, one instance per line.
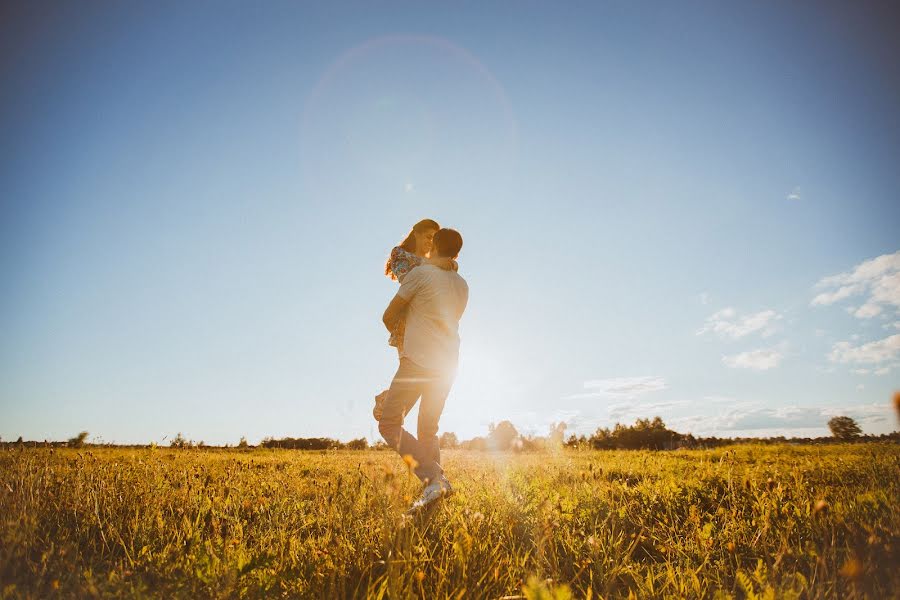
x=744, y=522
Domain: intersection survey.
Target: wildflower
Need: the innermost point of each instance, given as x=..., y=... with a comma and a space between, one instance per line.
x=410, y=461
x=730, y=547
x=852, y=569
x=821, y=507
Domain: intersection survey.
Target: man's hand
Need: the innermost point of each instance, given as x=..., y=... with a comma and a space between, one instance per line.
x=394, y=312
x=447, y=264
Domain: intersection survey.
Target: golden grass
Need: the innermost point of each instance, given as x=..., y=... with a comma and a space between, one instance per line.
x=745, y=522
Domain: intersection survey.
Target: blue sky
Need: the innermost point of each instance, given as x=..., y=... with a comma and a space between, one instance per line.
x=685, y=210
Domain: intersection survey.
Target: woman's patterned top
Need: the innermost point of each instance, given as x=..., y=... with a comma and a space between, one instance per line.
x=402, y=262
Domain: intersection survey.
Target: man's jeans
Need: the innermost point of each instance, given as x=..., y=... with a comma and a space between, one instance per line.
x=411, y=382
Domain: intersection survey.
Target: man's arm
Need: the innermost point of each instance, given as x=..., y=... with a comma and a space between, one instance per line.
x=394, y=312
x=447, y=264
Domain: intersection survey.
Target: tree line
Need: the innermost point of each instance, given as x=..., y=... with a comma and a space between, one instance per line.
x=647, y=434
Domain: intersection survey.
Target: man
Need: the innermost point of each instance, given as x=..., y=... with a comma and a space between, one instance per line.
x=433, y=300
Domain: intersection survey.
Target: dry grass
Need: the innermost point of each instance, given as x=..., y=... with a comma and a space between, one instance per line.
x=746, y=522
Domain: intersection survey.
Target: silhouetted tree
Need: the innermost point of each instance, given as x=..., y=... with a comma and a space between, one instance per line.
x=844, y=428
x=358, y=444
x=78, y=440
x=501, y=435
x=557, y=434
x=242, y=443
x=643, y=434
x=301, y=443
x=448, y=440
x=476, y=443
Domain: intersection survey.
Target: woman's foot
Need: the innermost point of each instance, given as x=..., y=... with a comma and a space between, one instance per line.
x=379, y=405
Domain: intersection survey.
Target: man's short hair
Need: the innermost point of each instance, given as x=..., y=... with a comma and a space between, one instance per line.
x=448, y=243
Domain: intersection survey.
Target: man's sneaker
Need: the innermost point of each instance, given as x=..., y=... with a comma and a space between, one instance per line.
x=445, y=484
x=432, y=492
x=378, y=411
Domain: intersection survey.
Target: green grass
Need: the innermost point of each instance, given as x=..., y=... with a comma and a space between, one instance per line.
x=740, y=522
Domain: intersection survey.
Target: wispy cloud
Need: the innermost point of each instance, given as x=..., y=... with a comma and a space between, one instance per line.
x=628, y=411
x=877, y=352
x=795, y=194
x=728, y=323
x=621, y=387
x=720, y=399
x=877, y=279
x=788, y=420
x=762, y=359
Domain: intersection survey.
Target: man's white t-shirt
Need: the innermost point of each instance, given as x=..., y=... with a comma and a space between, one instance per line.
x=437, y=299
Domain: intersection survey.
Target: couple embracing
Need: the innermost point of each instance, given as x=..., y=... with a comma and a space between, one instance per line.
x=423, y=321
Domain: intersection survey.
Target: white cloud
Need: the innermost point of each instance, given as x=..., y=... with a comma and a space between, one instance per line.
x=621, y=387
x=704, y=298
x=756, y=421
x=879, y=371
x=762, y=359
x=629, y=411
x=408, y=187
x=795, y=194
x=879, y=351
x=727, y=323
x=845, y=291
x=867, y=311
x=878, y=279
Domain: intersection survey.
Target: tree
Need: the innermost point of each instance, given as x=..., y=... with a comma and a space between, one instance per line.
x=844, y=428
x=501, y=436
x=359, y=444
x=449, y=440
x=476, y=443
x=179, y=442
x=643, y=434
x=557, y=434
x=242, y=443
x=78, y=440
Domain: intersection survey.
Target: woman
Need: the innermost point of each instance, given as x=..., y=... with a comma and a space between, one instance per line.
x=411, y=253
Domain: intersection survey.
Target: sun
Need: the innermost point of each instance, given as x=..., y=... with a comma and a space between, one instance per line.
x=483, y=384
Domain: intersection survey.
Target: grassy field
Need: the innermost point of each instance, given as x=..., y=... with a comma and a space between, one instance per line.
x=745, y=522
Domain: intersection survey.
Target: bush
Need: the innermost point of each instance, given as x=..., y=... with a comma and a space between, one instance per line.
x=77, y=441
